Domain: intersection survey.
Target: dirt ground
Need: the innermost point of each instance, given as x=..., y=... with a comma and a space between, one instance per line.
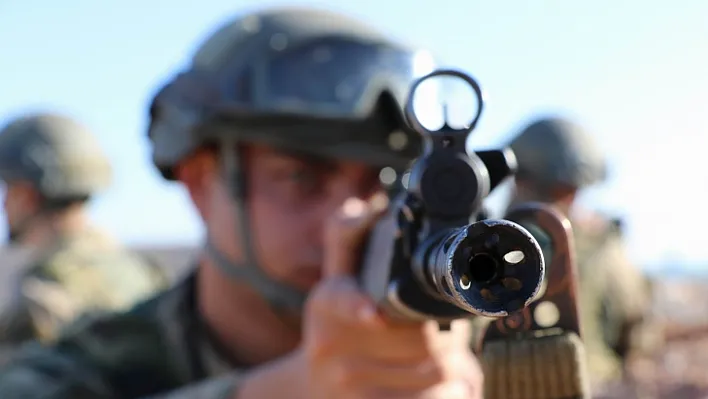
x=679, y=370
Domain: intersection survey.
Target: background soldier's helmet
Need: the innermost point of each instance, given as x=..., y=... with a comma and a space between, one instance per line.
x=305, y=79
x=558, y=151
x=57, y=155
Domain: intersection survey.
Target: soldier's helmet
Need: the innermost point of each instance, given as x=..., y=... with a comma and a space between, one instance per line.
x=304, y=79
x=556, y=150
x=60, y=157
x=300, y=79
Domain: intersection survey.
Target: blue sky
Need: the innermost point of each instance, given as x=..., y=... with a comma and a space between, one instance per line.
x=632, y=71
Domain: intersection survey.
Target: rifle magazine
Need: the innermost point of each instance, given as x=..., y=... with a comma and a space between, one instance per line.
x=542, y=367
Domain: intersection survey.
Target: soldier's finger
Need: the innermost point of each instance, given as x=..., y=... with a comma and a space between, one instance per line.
x=339, y=300
x=457, y=389
x=398, y=345
x=450, y=390
x=346, y=231
x=351, y=374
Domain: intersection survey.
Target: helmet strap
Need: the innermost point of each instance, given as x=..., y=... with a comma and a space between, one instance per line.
x=279, y=295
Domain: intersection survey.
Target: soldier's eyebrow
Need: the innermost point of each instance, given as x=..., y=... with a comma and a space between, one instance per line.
x=308, y=158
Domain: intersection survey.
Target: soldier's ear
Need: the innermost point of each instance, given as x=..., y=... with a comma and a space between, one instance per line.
x=198, y=172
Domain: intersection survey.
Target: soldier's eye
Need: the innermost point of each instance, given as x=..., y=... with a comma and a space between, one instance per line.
x=303, y=176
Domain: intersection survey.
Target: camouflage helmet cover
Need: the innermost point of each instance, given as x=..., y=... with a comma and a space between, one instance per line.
x=300, y=78
x=57, y=155
x=558, y=151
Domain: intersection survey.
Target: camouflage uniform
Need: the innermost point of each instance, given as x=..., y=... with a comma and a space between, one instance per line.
x=613, y=293
x=73, y=273
x=304, y=80
x=159, y=347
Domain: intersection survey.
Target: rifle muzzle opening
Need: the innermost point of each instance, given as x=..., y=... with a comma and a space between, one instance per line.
x=490, y=268
x=482, y=268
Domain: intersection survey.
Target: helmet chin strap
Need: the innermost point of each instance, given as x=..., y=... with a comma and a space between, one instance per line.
x=279, y=295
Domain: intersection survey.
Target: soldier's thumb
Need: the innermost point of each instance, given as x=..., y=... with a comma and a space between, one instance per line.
x=346, y=232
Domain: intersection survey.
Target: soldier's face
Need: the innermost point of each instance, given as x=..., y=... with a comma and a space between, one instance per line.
x=289, y=197
x=18, y=205
x=3, y=195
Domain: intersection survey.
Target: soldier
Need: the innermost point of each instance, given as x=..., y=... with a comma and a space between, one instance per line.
x=51, y=167
x=557, y=158
x=277, y=129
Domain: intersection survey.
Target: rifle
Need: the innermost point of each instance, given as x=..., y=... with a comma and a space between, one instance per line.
x=434, y=256
x=429, y=258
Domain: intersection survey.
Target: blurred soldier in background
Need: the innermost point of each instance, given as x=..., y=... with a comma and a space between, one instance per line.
x=51, y=166
x=278, y=130
x=556, y=159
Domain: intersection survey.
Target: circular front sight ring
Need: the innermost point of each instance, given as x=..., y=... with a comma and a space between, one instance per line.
x=410, y=114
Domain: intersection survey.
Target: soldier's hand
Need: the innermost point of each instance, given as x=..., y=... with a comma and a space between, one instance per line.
x=351, y=351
